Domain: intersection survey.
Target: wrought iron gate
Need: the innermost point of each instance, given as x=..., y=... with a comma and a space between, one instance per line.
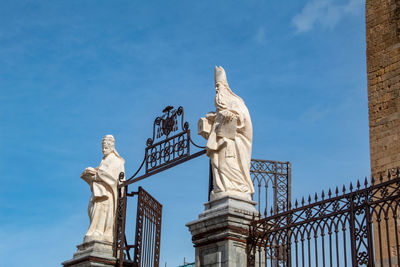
x=168, y=147
x=148, y=232
x=355, y=227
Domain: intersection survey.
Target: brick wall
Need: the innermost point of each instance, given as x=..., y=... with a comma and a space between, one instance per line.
x=383, y=69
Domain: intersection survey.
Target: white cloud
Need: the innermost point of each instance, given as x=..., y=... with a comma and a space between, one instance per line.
x=324, y=12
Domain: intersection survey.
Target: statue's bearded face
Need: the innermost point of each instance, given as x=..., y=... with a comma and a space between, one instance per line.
x=219, y=87
x=108, y=146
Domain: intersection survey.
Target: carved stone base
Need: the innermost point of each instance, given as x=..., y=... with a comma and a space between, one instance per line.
x=93, y=253
x=220, y=233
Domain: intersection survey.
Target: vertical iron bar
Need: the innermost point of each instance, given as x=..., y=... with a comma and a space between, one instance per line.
x=302, y=250
x=309, y=249
x=123, y=198
x=148, y=225
x=150, y=237
x=380, y=240
x=275, y=189
x=266, y=197
x=153, y=239
x=145, y=237
x=316, y=249
x=396, y=234
x=370, y=241
x=289, y=184
x=188, y=143
x=387, y=238
x=344, y=244
x=323, y=248
x=337, y=245
x=259, y=197
x=330, y=246
x=271, y=256
x=352, y=233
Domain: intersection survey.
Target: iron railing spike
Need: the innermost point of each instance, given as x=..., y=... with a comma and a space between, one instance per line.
x=290, y=205
x=302, y=201
x=265, y=212
x=316, y=197
x=351, y=186
x=329, y=193
x=309, y=199
x=296, y=203
x=344, y=189
x=358, y=184
x=380, y=178
x=389, y=175
x=366, y=181
x=373, y=180
x=323, y=194
x=397, y=172
x=337, y=191
x=272, y=211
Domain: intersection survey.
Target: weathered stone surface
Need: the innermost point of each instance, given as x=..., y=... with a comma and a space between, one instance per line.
x=383, y=73
x=219, y=234
x=93, y=253
x=383, y=69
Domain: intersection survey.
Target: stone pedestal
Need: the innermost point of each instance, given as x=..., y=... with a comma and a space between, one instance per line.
x=220, y=233
x=93, y=253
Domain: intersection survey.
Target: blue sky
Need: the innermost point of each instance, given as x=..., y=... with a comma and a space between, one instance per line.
x=74, y=71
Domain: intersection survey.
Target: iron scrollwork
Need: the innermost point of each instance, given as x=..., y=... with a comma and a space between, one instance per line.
x=161, y=152
x=169, y=144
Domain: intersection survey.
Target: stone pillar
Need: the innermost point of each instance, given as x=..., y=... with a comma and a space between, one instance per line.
x=92, y=253
x=219, y=234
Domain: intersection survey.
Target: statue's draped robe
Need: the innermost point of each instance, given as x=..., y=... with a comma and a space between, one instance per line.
x=230, y=155
x=103, y=202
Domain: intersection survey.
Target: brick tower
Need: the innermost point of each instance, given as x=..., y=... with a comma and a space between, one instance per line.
x=383, y=70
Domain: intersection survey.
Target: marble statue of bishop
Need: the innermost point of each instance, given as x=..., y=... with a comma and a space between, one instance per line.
x=103, y=182
x=229, y=136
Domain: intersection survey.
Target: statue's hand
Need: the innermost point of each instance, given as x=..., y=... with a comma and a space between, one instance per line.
x=88, y=174
x=228, y=116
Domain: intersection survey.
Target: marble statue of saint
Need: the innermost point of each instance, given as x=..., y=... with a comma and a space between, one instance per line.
x=103, y=182
x=229, y=136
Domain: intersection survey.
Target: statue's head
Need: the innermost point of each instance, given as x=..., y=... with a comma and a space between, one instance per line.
x=220, y=79
x=108, y=144
x=223, y=91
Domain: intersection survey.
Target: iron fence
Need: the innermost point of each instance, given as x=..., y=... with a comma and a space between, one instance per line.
x=357, y=226
x=272, y=183
x=268, y=177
